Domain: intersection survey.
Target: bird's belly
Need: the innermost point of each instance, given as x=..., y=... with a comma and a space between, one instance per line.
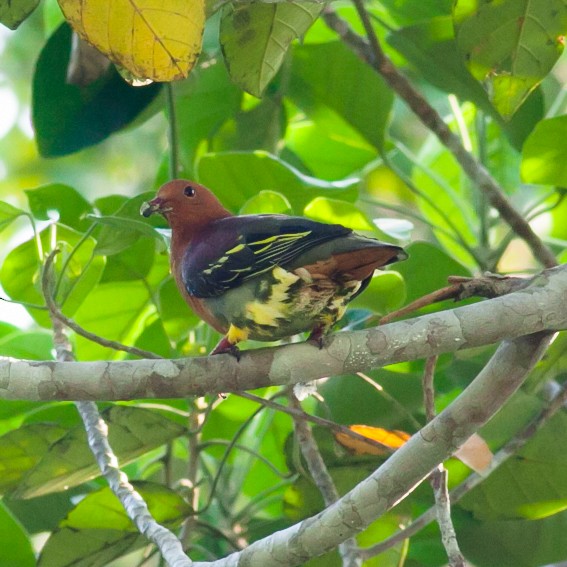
x=281, y=303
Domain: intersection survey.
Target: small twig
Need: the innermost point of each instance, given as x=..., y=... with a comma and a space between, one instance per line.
x=488, y=286
x=57, y=314
x=371, y=51
x=438, y=477
x=97, y=436
x=348, y=549
x=300, y=414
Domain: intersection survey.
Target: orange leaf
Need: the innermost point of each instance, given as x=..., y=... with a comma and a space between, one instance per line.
x=390, y=438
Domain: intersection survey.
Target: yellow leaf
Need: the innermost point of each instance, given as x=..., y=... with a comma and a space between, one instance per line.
x=390, y=438
x=153, y=39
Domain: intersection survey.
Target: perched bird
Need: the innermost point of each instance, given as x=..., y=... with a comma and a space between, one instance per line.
x=263, y=277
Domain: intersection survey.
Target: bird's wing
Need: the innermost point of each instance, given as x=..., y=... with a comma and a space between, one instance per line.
x=238, y=248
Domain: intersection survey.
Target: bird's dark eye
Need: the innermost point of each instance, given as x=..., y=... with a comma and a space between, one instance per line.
x=189, y=191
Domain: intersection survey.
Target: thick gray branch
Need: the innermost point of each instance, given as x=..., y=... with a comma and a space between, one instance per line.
x=540, y=307
x=405, y=469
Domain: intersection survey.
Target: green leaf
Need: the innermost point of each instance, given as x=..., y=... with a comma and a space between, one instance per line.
x=417, y=270
x=66, y=201
x=28, y=345
x=15, y=545
x=97, y=530
x=8, y=213
x=266, y=202
x=237, y=176
x=385, y=292
x=133, y=263
x=332, y=211
x=69, y=462
x=21, y=272
x=21, y=450
x=115, y=311
x=174, y=312
x=14, y=12
x=511, y=44
x=532, y=485
x=544, y=156
x=68, y=118
x=256, y=37
x=514, y=543
x=330, y=74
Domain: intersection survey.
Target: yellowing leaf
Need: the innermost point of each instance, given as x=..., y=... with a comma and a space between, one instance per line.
x=390, y=438
x=153, y=39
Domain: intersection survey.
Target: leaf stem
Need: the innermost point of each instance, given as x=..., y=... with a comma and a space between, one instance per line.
x=172, y=132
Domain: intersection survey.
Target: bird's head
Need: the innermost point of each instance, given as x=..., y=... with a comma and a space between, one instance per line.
x=185, y=203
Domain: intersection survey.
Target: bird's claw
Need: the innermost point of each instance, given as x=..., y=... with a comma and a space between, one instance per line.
x=317, y=337
x=226, y=347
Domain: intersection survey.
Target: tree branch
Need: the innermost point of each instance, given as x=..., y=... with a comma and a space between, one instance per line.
x=539, y=307
x=371, y=51
x=348, y=549
x=405, y=469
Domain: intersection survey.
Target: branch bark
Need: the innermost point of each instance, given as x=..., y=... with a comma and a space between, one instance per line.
x=539, y=307
x=405, y=469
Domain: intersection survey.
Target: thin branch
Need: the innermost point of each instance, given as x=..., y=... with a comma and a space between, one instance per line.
x=57, y=314
x=97, y=436
x=438, y=478
x=348, y=549
x=371, y=51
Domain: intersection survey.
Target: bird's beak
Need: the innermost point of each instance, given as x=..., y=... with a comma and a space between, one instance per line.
x=150, y=207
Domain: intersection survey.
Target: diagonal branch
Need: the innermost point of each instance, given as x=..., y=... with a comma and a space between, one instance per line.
x=371, y=51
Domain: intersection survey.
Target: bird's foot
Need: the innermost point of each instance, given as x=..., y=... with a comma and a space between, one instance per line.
x=226, y=347
x=317, y=336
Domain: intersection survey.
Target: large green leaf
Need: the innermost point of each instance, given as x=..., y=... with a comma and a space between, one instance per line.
x=332, y=75
x=510, y=44
x=69, y=462
x=8, y=213
x=20, y=274
x=15, y=545
x=14, y=12
x=70, y=206
x=255, y=38
x=115, y=311
x=237, y=176
x=28, y=345
x=22, y=448
x=544, y=156
x=97, y=530
x=531, y=486
x=68, y=118
x=432, y=50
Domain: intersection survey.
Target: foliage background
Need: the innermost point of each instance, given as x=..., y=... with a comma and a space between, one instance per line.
x=328, y=139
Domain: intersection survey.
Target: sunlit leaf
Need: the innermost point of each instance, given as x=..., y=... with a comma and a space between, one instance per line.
x=22, y=448
x=69, y=462
x=544, y=155
x=154, y=39
x=237, y=176
x=511, y=44
x=98, y=530
x=333, y=211
x=69, y=206
x=255, y=38
x=332, y=75
x=385, y=292
x=20, y=274
x=266, y=202
x=14, y=12
x=8, y=213
x=475, y=453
